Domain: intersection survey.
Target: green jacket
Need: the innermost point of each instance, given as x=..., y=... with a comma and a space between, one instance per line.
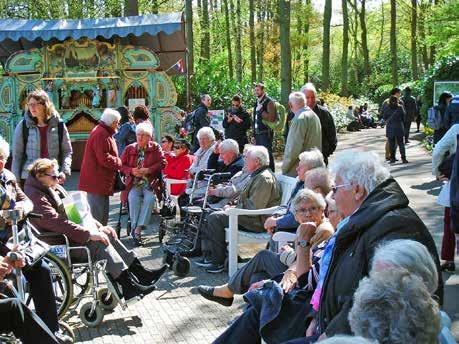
x=262, y=191
x=305, y=133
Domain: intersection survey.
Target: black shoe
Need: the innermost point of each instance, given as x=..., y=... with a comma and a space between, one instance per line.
x=137, y=239
x=404, y=161
x=130, y=291
x=204, y=262
x=392, y=161
x=215, y=268
x=146, y=277
x=208, y=293
x=448, y=266
x=407, y=141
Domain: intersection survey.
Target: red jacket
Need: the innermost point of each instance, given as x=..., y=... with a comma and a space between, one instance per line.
x=153, y=160
x=178, y=168
x=100, y=162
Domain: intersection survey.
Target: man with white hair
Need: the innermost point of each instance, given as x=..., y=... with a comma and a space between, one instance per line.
x=327, y=123
x=100, y=164
x=305, y=133
x=226, y=157
x=262, y=191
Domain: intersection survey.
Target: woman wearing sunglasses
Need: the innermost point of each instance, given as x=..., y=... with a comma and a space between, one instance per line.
x=178, y=165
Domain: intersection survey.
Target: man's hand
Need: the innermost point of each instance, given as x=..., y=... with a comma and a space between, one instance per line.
x=16, y=264
x=217, y=147
x=285, y=248
x=311, y=330
x=101, y=236
x=289, y=280
x=109, y=231
x=5, y=269
x=211, y=191
x=237, y=119
x=256, y=285
x=322, y=337
x=442, y=178
x=270, y=223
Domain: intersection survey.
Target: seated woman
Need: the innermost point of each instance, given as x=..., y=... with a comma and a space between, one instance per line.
x=142, y=163
x=123, y=267
x=267, y=264
x=278, y=312
x=178, y=165
x=167, y=145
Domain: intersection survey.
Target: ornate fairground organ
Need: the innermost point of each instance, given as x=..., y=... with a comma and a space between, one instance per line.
x=83, y=76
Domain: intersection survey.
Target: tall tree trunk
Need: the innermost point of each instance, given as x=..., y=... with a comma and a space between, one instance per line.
x=261, y=40
x=205, y=32
x=422, y=36
x=154, y=7
x=253, y=62
x=393, y=41
x=326, y=46
x=286, y=57
x=344, y=57
x=363, y=26
x=381, y=30
x=189, y=34
x=238, y=43
x=356, y=43
x=131, y=8
x=306, y=41
x=414, y=50
x=228, y=40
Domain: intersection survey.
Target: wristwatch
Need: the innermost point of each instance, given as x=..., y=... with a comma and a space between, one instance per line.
x=303, y=243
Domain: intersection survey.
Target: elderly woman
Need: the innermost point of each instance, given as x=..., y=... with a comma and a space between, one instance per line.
x=41, y=134
x=142, y=163
x=178, y=165
x=283, y=219
x=45, y=193
x=375, y=209
x=262, y=191
x=278, y=312
x=100, y=163
x=318, y=180
x=267, y=264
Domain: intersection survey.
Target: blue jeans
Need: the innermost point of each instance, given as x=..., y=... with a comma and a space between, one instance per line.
x=141, y=203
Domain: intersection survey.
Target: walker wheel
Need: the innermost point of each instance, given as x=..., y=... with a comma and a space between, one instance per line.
x=94, y=319
x=181, y=266
x=106, y=302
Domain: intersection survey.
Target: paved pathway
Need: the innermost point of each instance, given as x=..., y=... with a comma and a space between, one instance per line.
x=176, y=314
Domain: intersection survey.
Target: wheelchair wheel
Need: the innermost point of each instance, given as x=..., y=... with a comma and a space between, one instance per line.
x=94, y=319
x=168, y=258
x=106, y=303
x=181, y=266
x=81, y=280
x=67, y=330
x=62, y=283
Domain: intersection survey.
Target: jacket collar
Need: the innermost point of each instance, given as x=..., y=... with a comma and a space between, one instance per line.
x=257, y=172
x=52, y=121
x=107, y=128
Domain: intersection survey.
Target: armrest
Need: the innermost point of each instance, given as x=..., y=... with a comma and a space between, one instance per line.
x=176, y=181
x=284, y=236
x=238, y=211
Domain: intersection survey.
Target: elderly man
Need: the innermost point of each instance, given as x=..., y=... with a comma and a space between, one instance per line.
x=327, y=123
x=375, y=209
x=201, y=119
x=262, y=191
x=100, y=163
x=284, y=220
x=305, y=133
x=226, y=158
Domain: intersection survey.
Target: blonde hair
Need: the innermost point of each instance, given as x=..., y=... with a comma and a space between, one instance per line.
x=42, y=97
x=40, y=166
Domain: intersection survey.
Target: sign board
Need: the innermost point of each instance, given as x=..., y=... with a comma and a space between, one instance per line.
x=133, y=103
x=216, y=119
x=445, y=86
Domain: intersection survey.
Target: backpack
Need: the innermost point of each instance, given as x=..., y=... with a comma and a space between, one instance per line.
x=281, y=117
x=434, y=119
x=25, y=139
x=190, y=123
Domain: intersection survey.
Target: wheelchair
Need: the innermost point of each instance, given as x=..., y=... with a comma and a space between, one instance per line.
x=181, y=239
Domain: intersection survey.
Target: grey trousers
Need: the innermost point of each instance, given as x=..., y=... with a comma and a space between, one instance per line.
x=118, y=257
x=99, y=207
x=213, y=236
x=141, y=203
x=264, y=265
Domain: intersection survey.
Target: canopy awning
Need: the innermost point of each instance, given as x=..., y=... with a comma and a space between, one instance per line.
x=164, y=33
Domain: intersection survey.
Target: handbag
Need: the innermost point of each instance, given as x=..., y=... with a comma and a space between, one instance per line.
x=169, y=208
x=119, y=183
x=34, y=250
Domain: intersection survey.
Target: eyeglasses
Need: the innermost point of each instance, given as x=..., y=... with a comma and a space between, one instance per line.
x=54, y=176
x=178, y=146
x=337, y=187
x=33, y=104
x=165, y=141
x=306, y=210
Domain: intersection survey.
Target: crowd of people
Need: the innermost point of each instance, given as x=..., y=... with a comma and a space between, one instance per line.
x=362, y=263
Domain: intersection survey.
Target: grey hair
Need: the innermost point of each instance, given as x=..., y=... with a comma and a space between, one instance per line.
x=312, y=158
x=229, y=145
x=260, y=153
x=307, y=195
x=144, y=128
x=4, y=149
x=206, y=131
x=297, y=98
x=348, y=340
x=360, y=167
x=318, y=178
x=410, y=255
x=394, y=307
x=309, y=86
x=109, y=116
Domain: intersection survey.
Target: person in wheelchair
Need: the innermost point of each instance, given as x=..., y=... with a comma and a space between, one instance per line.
x=142, y=163
x=16, y=317
x=123, y=267
x=39, y=275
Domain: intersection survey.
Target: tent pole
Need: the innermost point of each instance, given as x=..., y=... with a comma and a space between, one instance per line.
x=188, y=91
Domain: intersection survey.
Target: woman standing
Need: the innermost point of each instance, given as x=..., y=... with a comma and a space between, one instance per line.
x=142, y=163
x=126, y=133
x=41, y=134
x=443, y=102
x=394, y=115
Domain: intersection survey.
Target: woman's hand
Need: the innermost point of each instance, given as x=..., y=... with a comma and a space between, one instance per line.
x=109, y=231
x=289, y=281
x=311, y=330
x=135, y=172
x=101, y=236
x=257, y=285
x=270, y=223
x=306, y=231
x=285, y=248
x=442, y=178
x=143, y=171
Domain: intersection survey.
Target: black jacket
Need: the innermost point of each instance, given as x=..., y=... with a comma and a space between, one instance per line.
x=384, y=215
x=411, y=108
x=220, y=167
x=395, y=119
x=329, y=138
x=237, y=131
